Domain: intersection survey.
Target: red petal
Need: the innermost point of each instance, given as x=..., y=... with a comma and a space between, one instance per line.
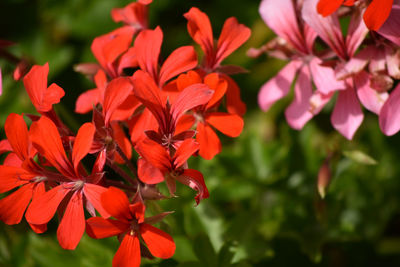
x=87, y=100
x=126, y=109
x=148, y=173
x=155, y=154
x=199, y=28
x=42, y=208
x=234, y=103
x=377, y=13
x=233, y=35
x=160, y=244
x=72, y=225
x=10, y=177
x=17, y=135
x=182, y=59
x=135, y=14
x=83, y=143
x=115, y=94
x=185, y=123
x=116, y=203
x=12, y=207
x=141, y=123
x=148, y=46
x=97, y=227
x=52, y=96
x=5, y=146
x=194, y=179
x=327, y=7
x=192, y=96
x=47, y=141
x=128, y=254
x=35, y=83
x=185, y=151
x=228, y=124
x=122, y=141
x=186, y=79
x=208, y=140
x=219, y=86
x=148, y=93
x=38, y=191
x=93, y=194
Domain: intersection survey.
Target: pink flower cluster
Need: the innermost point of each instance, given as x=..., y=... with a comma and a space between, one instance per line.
x=361, y=67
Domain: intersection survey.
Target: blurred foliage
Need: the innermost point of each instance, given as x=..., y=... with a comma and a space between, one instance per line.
x=264, y=209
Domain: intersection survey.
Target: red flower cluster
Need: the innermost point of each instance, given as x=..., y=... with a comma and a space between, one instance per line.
x=154, y=112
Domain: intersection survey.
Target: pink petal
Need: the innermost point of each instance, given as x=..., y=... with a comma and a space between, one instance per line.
x=347, y=115
x=389, y=117
x=281, y=17
x=369, y=98
x=327, y=28
x=356, y=33
x=279, y=86
x=297, y=114
x=390, y=29
x=324, y=77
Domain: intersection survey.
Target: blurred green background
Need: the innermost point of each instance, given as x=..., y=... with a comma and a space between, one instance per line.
x=263, y=209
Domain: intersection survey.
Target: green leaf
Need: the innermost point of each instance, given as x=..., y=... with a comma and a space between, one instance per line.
x=204, y=250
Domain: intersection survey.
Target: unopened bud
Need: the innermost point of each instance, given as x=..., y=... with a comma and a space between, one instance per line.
x=324, y=178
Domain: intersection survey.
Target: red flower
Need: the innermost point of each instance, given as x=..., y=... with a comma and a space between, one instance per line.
x=42, y=97
x=131, y=227
x=19, y=170
x=168, y=115
x=206, y=116
x=148, y=45
x=233, y=35
x=156, y=159
x=76, y=187
x=135, y=14
x=376, y=14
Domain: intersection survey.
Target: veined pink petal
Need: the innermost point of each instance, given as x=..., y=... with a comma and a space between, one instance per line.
x=279, y=86
x=297, y=114
x=390, y=29
x=160, y=244
x=281, y=17
x=356, y=63
x=72, y=225
x=393, y=62
x=43, y=207
x=327, y=28
x=389, y=117
x=356, y=33
x=369, y=98
x=347, y=115
x=128, y=253
x=324, y=77
x=97, y=227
